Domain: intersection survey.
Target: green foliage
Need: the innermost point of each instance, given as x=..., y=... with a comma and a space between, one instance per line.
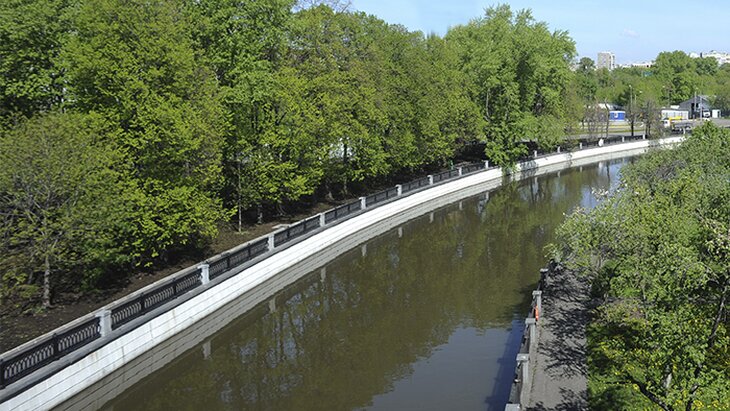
x=215, y=104
x=657, y=254
x=134, y=62
x=519, y=73
x=31, y=38
x=57, y=214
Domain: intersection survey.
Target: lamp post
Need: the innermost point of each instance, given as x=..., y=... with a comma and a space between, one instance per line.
x=632, y=100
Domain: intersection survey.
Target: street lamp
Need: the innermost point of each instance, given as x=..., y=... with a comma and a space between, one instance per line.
x=632, y=101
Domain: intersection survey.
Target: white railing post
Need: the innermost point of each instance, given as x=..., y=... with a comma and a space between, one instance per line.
x=524, y=360
x=105, y=322
x=623, y=139
x=430, y=179
x=204, y=273
x=530, y=323
x=206, y=350
x=558, y=149
x=321, y=220
x=363, y=203
x=271, y=241
x=486, y=164
x=459, y=170
x=400, y=189
x=534, y=153
x=580, y=146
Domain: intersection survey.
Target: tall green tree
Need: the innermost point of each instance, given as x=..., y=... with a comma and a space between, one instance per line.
x=244, y=42
x=134, y=62
x=332, y=53
x=57, y=211
x=31, y=37
x=519, y=71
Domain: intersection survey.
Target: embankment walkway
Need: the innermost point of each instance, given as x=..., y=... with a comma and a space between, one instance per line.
x=560, y=376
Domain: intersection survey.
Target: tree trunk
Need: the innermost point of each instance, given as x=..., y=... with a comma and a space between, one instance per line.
x=240, y=217
x=329, y=197
x=47, y=283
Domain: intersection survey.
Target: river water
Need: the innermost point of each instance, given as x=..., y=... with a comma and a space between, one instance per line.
x=427, y=316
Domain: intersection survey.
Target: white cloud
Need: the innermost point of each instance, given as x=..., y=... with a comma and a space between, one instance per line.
x=630, y=33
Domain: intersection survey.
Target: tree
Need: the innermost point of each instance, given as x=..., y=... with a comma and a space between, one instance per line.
x=55, y=204
x=519, y=73
x=587, y=80
x=652, y=118
x=678, y=72
x=31, y=38
x=706, y=66
x=333, y=55
x=134, y=62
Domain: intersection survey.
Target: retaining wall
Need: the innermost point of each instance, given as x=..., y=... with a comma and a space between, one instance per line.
x=64, y=378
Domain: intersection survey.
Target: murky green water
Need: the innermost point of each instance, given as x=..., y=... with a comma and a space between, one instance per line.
x=425, y=317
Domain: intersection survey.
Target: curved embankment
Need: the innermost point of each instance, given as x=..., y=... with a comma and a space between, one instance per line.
x=62, y=379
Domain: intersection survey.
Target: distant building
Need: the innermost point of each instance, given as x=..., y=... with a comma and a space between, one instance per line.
x=643, y=64
x=698, y=106
x=606, y=60
x=720, y=56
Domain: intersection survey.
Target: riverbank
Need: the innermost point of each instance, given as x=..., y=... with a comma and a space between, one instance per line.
x=560, y=373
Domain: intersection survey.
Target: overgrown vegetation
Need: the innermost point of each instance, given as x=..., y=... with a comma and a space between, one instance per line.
x=657, y=253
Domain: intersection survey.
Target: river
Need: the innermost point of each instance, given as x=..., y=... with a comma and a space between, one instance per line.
x=427, y=316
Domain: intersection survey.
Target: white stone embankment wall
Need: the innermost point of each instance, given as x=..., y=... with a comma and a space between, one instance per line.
x=83, y=372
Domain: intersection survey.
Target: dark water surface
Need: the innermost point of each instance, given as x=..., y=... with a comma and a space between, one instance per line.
x=424, y=317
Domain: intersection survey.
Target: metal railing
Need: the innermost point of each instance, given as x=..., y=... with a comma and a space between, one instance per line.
x=471, y=168
x=47, y=350
x=381, y=196
x=148, y=301
x=415, y=184
x=32, y=356
x=296, y=230
x=231, y=259
x=445, y=175
x=342, y=211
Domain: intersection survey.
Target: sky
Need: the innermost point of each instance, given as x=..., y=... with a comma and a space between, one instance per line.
x=635, y=31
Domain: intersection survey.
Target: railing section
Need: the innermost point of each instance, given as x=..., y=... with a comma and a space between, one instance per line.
x=415, y=184
x=381, y=196
x=342, y=211
x=296, y=230
x=445, y=175
x=44, y=352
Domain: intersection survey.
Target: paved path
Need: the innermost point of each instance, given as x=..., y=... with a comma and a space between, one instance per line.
x=560, y=374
